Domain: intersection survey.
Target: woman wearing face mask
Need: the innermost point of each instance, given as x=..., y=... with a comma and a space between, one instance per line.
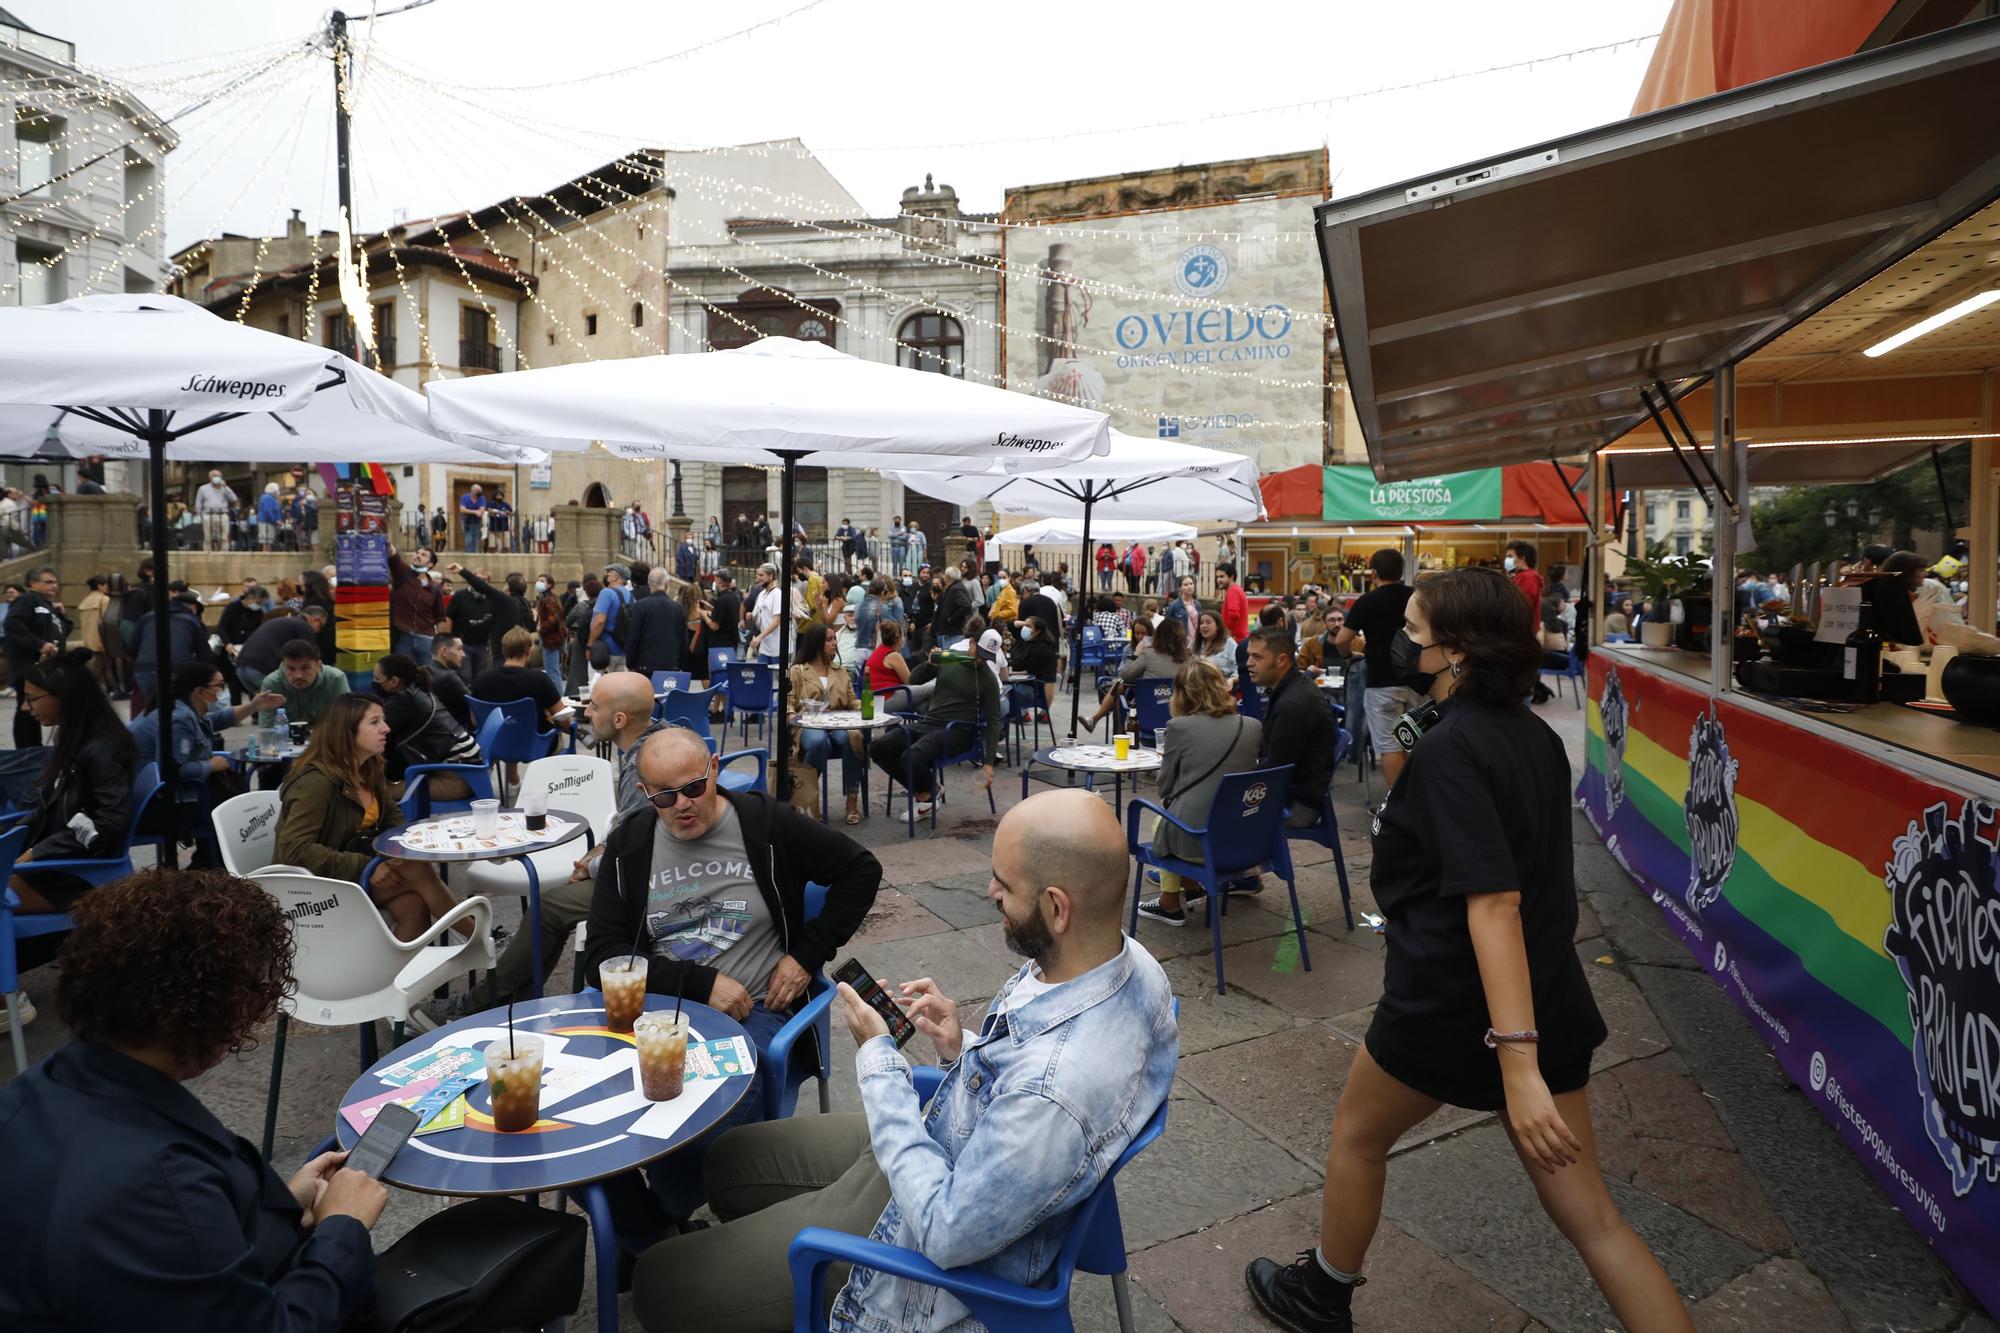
x=549, y=627
x=1484, y=1002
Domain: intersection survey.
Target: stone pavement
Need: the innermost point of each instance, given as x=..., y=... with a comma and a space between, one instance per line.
x=1764, y=1220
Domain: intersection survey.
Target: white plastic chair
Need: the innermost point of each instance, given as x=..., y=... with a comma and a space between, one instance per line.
x=246, y=830
x=350, y=970
x=579, y=783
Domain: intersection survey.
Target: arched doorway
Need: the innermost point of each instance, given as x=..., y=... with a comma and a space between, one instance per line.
x=595, y=496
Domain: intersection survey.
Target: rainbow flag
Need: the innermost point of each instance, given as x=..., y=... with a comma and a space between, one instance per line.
x=1840, y=902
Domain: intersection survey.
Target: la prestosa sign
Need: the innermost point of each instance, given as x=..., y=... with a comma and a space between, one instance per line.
x=1353, y=495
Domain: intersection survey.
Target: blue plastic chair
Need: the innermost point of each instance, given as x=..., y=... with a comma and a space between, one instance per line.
x=976, y=754
x=95, y=870
x=782, y=1073
x=521, y=739
x=14, y=927
x=1251, y=702
x=1028, y=702
x=1572, y=672
x=689, y=708
x=417, y=803
x=1154, y=698
x=1244, y=838
x=718, y=663
x=1618, y=638
x=1094, y=1243
x=753, y=693
x=671, y=680
x=1090, y=649
x=1326, y=833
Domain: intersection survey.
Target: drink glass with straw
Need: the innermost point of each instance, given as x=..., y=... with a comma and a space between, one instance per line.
x=514, y=1079
x=623, y=980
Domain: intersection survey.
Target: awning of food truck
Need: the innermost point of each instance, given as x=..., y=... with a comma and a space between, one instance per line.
x=1518, y=308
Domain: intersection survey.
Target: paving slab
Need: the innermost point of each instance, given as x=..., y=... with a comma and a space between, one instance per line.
x=1199, y=1278
x=1209, y=1021
x=1843, y=1226
x=1240, y=924
x=959, y=963
x=1343, y=977
x=1287, y=1084
x=896, y=915
x=1207, y=1167
x=1777, y=1296
x=1632, y=1032
x=1655, y=1130
x=956, y=907
x=1469, y=1198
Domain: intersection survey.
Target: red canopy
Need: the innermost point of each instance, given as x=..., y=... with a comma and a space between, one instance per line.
x=1529, y=492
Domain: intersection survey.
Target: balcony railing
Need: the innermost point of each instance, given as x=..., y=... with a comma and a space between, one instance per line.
x=478, y=355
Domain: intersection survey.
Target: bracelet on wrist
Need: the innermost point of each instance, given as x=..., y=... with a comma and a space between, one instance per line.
x=1525, y=1037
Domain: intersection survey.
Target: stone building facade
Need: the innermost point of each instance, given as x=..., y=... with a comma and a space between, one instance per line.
x=82, y=187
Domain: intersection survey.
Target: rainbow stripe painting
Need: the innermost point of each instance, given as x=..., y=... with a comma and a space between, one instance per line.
x=1850, y=909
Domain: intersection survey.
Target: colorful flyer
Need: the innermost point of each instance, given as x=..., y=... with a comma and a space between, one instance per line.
x=435, y=1064
x=725, y=1058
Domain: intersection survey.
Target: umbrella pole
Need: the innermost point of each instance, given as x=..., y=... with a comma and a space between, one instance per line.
x=156, y=439
x=781, y=761
x=1084, y=566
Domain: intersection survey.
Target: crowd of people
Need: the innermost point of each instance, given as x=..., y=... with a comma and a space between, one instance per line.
x=1484, y=1002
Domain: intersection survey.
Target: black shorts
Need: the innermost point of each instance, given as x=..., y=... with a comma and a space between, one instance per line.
x=1477, y=1085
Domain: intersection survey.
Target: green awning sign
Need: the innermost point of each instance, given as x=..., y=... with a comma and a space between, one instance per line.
x=1352, y=495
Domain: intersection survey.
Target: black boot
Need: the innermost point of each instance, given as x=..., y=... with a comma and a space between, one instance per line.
x=1303, y=1297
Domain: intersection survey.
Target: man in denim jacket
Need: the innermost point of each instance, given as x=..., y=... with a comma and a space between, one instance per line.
x=1073, y=1057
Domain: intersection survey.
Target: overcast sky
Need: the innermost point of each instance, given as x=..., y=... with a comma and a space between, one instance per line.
x=882, y=93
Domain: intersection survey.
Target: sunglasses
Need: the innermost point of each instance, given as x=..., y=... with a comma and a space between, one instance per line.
x=668, y=798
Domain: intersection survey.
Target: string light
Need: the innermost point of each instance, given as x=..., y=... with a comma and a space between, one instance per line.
x=56, y=257
x=677, y=176
x=653, y=63
x=264, y=241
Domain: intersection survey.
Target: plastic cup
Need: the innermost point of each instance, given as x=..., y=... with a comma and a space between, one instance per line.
x=535, y=811
x=514, y=1082
x=624, y=980
x=485, y=818
x=1121, y=745
x=663, y=1041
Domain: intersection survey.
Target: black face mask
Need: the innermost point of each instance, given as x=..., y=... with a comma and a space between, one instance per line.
x=1405, y=657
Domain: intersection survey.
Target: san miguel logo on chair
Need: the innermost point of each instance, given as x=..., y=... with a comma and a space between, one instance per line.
x=1253, y=797
x=1615, y=714
x=1944, y=935
x=1710, y=807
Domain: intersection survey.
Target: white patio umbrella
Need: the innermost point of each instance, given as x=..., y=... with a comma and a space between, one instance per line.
x=1138, y=478
x=776, y=401
x=149, y=376
x=1070, y=531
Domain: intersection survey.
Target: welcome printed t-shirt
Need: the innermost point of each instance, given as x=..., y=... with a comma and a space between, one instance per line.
x=703, y=905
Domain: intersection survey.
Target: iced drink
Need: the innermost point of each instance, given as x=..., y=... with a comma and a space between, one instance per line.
x=514, y=1082
x=624, y=981
x=663, y=1044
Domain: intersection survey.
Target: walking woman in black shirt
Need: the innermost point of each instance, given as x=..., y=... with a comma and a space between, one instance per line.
x=1484, y=1001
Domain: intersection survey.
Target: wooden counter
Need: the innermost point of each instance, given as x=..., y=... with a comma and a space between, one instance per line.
x=1923, y=743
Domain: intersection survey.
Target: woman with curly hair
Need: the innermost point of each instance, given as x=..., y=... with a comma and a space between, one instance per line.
x=336, y=800
x=125, y=1202
x=1484, y=1003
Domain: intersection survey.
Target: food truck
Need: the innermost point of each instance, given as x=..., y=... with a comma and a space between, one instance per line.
x=1785, y=282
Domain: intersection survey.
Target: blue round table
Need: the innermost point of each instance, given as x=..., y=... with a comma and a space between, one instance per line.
x=562, y=1152
x=389, y=843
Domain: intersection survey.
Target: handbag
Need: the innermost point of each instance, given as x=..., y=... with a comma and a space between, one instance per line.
x=491, y=1263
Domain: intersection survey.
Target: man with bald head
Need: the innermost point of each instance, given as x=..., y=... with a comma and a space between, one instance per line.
x=712, y=893
x=1072, y=1058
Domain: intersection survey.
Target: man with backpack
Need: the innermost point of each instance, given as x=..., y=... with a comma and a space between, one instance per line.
x=606, y=619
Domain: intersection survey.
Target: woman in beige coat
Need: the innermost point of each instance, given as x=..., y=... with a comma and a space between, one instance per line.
x=820, y=683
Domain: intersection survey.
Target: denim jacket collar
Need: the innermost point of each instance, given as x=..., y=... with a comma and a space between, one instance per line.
x=1059, y=1005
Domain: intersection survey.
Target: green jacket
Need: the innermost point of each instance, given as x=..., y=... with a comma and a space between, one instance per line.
x=319, y=818
x=307, y=705
x=966, y=692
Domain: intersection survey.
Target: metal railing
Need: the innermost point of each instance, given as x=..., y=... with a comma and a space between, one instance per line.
x=478, y=355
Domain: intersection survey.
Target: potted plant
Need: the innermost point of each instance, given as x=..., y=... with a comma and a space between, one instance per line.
x=1664, y=578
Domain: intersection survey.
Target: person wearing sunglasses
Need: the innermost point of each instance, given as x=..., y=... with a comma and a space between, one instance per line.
x=712, y=891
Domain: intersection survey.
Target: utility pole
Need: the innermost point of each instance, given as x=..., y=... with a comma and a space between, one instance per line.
x=343, y=171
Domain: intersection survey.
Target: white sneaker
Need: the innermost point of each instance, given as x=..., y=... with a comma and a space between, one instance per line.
x=25, y=1005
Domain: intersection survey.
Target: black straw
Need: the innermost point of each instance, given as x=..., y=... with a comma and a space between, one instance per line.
x=510, y=1027
x=680, y=989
